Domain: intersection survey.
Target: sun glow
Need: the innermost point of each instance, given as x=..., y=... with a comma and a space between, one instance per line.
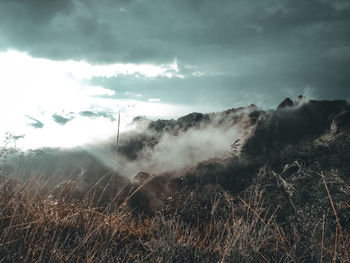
x=34, y=89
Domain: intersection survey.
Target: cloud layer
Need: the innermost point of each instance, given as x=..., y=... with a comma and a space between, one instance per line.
x=256, y=47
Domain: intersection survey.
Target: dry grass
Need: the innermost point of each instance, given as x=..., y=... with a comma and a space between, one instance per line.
x=39, y=226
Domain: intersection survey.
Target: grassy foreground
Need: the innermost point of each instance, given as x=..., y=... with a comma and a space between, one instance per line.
x=206, y=224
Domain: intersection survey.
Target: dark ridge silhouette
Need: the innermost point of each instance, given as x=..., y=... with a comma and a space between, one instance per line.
x=290, y=125
x=286, y=103
x=281, y=137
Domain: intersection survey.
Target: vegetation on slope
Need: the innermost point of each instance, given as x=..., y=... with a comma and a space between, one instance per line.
x=285, y=198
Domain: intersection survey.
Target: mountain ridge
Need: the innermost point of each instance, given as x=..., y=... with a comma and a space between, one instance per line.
x=279, y=191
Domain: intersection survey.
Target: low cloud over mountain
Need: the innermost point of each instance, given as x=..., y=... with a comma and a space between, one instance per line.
x=179, y=146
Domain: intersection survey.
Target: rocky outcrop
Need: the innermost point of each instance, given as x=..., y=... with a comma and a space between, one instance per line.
x=342, y=121
x=286, y=103
x=280, y=128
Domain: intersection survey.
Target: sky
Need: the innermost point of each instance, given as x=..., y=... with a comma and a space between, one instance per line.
x=67, y=67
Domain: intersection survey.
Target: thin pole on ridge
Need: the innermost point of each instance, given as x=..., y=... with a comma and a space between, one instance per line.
x=117, y=142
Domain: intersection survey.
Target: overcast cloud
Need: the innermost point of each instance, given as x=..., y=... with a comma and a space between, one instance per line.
x=258, y=47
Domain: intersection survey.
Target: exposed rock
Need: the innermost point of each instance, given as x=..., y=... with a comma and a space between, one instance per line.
x=286, y=103
x=342, y=121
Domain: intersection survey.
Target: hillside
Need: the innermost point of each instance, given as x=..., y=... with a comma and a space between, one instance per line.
x=243, y=185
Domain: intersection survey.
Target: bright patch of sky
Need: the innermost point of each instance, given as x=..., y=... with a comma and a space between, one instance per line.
x=36, y=89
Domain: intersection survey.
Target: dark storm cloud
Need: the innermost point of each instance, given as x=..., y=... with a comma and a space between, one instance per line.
x=245, y=48
x=161, y=29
